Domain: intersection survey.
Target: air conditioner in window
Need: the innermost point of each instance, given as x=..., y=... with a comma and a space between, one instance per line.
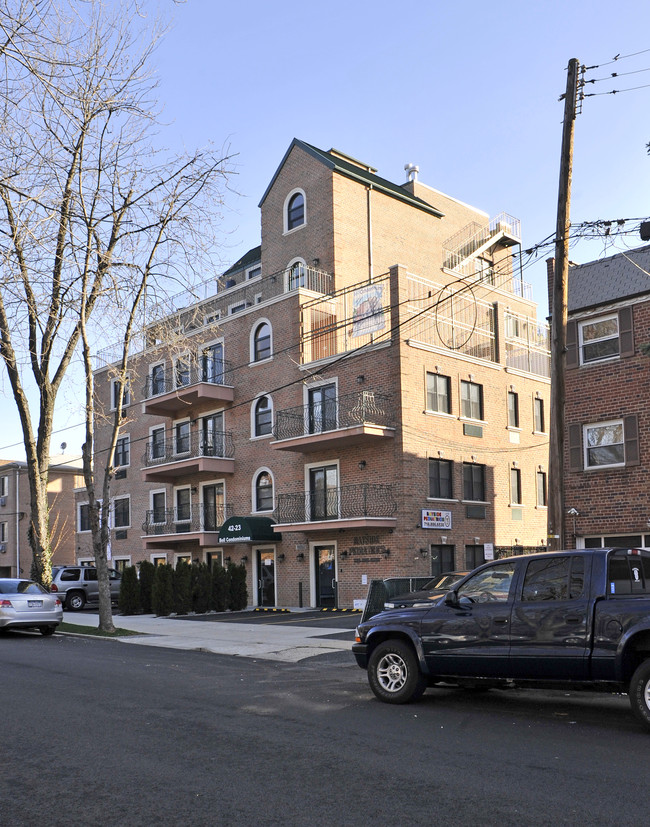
x=3, y=501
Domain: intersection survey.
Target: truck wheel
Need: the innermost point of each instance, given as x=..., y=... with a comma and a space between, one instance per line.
x=393, y=673
x=75, y=601
x=639, y=693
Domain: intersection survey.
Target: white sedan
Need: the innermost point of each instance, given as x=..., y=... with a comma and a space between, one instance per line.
x=25, y=604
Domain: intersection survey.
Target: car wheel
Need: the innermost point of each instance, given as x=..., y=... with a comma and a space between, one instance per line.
x=75, y=601
x=639, y=693
x=46, y=631
x=394, y=674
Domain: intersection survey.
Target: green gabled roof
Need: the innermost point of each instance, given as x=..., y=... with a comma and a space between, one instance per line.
x=246, y=260
x=366, y=176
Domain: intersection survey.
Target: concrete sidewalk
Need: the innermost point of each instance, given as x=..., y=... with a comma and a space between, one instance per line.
x=248, y=640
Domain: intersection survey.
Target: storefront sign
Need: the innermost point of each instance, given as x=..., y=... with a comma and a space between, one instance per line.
x=436, y=519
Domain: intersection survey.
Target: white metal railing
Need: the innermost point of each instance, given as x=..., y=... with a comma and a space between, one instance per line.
x=450, y=318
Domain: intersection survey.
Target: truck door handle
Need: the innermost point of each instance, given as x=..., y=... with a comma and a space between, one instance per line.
x=500, y=619
x=574, y=618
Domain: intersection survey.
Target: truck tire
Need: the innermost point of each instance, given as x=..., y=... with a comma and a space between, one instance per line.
x=639, y=693
x=75, y=601
x=394, y=674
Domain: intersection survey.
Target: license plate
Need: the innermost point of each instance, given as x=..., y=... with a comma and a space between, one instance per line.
x=34, y=604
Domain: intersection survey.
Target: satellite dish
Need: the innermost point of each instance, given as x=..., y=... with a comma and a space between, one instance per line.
x=64, y=445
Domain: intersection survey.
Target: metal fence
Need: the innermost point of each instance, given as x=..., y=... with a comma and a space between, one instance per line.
x=345, y=503
x=365, y=407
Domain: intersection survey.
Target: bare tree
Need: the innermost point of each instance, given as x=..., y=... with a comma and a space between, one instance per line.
x=93, y=219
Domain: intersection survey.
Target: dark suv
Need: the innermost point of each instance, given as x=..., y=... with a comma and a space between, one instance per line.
x=77, y=585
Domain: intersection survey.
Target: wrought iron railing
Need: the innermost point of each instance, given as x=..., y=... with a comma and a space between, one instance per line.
x=186, y=520
x=348, y=502
x=218, y=444
x=214, y=373
x=363, y=407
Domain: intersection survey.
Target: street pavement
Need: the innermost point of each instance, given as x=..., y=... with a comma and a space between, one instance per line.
x=285, y=636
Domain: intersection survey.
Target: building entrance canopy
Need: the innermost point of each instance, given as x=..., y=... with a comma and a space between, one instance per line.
x=248, y=530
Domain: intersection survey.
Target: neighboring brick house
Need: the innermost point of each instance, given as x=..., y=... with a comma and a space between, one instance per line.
x=363, y=395
x=607, y=439
x=64, y=476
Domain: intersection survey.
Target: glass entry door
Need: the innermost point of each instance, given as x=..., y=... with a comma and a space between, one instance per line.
x=265, y=578
x=325, y=562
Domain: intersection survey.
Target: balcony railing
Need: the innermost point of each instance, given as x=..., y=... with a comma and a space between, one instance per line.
x=199, y=518
x=349, y=410
x=349, y=502
x=213, y=373
x=219, y=445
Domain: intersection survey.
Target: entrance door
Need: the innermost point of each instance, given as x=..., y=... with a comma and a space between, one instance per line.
x=322, y=409
x=265, y=578
x=325, y=577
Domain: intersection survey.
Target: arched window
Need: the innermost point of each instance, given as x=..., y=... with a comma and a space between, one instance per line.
x=264, y=492
x=296, y=211
x=262, y=342
x=263, y=417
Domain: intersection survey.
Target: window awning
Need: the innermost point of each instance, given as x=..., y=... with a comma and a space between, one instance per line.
x=248, y=530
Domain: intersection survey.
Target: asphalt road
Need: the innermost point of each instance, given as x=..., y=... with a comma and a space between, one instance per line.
x=95, y=731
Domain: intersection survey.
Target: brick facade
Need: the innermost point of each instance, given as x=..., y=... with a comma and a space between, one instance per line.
x=350, y=485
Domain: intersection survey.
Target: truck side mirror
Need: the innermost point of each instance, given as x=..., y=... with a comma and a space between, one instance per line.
x=451, y=599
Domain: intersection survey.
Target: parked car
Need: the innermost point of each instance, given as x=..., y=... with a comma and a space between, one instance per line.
x=578, y=619
x=25, y=604
x=432, y=590
x=78, y=585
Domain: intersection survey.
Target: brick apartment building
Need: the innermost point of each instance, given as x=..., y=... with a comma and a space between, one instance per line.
x=64, y=476
x=363, y=395
x=607, y=436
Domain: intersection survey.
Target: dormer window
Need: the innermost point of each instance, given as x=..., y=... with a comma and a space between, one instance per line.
x=294, y=211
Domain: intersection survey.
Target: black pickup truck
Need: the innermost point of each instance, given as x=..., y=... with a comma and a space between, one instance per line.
x=577, y=619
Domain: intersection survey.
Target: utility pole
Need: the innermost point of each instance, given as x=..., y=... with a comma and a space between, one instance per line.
x=559, y=313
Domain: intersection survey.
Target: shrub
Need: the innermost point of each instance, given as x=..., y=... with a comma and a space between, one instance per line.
x=162, y=591
x=202, y=588
x=147, y=572
x=182, y=588
x=129, y=599
x=220, y=588
x=238, y=598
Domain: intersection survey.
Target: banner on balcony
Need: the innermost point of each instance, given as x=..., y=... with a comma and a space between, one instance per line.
x=367, y=311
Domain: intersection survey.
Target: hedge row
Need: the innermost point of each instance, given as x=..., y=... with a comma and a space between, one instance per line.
x=199, y=588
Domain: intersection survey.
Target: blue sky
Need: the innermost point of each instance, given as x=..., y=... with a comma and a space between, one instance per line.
x=467, y=90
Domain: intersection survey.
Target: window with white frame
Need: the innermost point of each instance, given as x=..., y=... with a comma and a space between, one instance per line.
x=254, y=272
x=122, y=512
x=541, y=488
x=183, y=371
x=183, y=505
x=4, y=486
x=263, y=493
x=157, y=379
x=261, y=342
x=295, y=214
x=122, y=452
x=438, y=393
x=471, y=400
x=598, y=339
x=540, y=424
x=157, y=442
x=604, y=444
x=182, y=437
x=296, y=274
x=158, y=507
x=515, y=486
x=3, y=532
x=262, y=416
x=513, y=409
x=115, y=393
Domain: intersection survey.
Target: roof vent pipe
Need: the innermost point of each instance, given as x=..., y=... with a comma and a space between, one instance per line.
x=412, y=171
